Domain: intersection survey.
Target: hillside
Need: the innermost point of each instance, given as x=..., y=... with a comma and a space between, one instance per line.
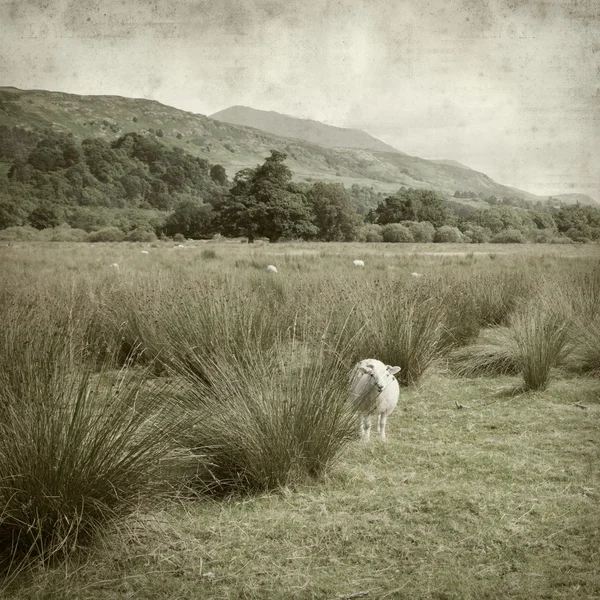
x=301, y=129
x=575, y=199
x=452, y=163
x=235, y=146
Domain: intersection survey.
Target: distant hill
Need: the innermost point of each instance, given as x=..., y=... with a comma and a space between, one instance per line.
x=576, y=199
x=236, y=146
x=301, y=129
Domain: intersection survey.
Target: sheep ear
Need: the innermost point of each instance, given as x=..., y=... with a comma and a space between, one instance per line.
x=392, y=370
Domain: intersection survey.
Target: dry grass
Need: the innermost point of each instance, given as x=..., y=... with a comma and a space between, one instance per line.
x=497, y=499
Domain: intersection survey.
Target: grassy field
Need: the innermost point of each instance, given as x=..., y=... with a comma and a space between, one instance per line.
x=177, y=428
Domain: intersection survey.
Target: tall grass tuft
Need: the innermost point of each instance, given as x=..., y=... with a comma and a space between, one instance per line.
x=76, y=449
x=586, y=346
x=536, y=340
x=499, y=292
x=266, y=420
x=72, y=460
x=406, y=331
x=541, y=331
x=495, y=352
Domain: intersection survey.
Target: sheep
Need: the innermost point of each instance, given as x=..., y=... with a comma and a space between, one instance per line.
x=416, y=275
x=272, y=269
x=114, y=266
x=180, y=246
x=358, y=263
x=145, y=252
x=373, y=390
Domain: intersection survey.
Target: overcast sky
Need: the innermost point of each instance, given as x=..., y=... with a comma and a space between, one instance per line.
x=507, y=87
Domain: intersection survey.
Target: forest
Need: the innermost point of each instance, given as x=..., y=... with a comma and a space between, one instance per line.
x=138, y=188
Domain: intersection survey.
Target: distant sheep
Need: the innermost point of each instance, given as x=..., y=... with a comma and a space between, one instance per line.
x=358, y=263
x=272, y=269
x=180, y=246
x=373, y=391
x=145, y=252
x=114, y=266
x=416, y=275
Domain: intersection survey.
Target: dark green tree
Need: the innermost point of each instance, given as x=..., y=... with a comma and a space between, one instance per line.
x=335, y=215
x=263, y=203
x=192, y=220
x=44, y=216
x=413, y=205
x=219, y=175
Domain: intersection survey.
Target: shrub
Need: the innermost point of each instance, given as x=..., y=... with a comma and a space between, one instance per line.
x=24, y=233
x=422, y=231
x=65, y=233
x=577, y=235
x=478, y=234
x=394, y=232
x=178, y=237
x=107, y=234
x=544, y=236
x=370, y=233
x=508, y=236
x=141, y=235
x=447, y=234
x=562, y=239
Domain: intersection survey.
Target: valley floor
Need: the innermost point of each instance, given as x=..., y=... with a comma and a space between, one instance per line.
x=499, y=499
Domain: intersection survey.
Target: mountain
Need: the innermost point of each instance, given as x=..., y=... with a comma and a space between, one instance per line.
x=236, y=146
x=301, y=129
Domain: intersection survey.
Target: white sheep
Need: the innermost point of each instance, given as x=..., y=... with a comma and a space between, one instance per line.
x=373, y=390
x=180, y=246
x=145, y=252
x=358, y=263
x=416, y=275
x=114, y=266
x=272, y=269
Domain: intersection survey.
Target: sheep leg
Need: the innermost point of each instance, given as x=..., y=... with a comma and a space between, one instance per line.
x=379, y=423
x=367, y=429
x=383, y=419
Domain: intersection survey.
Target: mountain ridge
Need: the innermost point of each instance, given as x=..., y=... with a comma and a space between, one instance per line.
x=237, y=146
x=308, y=130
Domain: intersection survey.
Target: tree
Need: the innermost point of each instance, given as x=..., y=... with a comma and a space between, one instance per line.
x=192, y=220
x=262, y=203
x=413, y=205
x=335, y=215
x=219, y=175
x=44, y=216
x=578, y=222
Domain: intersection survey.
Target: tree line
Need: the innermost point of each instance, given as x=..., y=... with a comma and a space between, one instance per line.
x=138, y=188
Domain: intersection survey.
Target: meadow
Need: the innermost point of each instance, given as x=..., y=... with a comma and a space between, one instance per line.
x=179, y=427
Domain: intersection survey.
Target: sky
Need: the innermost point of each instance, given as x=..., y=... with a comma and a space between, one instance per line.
x=508, y=87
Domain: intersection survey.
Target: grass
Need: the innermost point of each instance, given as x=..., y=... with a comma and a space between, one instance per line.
x=541, y=331
x=496, y=501
x=482, y=490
